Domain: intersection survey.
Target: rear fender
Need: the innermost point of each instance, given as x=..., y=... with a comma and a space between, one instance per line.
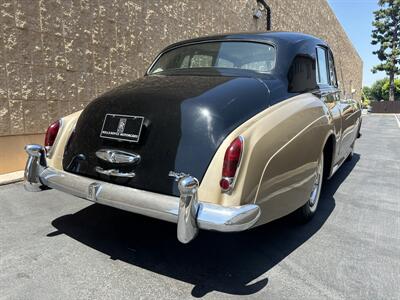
x=264, y=135
x=57, y=152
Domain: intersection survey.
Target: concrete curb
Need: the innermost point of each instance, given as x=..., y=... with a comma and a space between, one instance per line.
x=11, y=177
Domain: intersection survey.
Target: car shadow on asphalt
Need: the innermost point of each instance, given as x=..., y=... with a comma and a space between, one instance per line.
x=233, y=263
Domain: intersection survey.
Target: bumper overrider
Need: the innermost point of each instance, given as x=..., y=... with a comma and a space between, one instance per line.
x=187, y=211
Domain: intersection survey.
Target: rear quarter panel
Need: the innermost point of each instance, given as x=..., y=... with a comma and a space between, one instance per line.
x=56, y=154
x=281, y=150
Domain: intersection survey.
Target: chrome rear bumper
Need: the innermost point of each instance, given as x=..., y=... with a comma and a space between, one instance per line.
x=189, y=213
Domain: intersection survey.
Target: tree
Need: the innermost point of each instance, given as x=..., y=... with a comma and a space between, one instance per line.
x=386, y=34
x=380, y=90
x=366, y=93
x=376, y=90
x=386, y=89
x=366, y=96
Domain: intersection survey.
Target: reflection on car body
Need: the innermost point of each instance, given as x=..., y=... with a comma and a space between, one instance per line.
x=237, y=130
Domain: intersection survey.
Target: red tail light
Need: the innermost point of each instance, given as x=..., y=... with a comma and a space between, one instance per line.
x=51, y=134
x=232, y=159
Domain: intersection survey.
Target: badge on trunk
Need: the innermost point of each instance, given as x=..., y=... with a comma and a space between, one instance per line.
x=122, y=127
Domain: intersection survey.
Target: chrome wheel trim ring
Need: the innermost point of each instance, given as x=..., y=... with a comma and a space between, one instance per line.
x=316, y=189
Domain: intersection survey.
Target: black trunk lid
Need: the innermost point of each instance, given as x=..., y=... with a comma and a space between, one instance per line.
x=185, y=119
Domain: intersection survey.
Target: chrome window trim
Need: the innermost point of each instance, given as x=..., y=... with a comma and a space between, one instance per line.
x=168, y=49
x=328, y=75
x=330, y=56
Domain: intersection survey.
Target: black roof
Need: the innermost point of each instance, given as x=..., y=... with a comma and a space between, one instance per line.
x=295, y=62
x=274, y=37
x=289, y=45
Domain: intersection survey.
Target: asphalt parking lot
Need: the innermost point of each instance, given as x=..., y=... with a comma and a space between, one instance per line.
x=55, y=246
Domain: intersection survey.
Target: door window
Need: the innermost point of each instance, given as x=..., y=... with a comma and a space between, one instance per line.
x=322, y=74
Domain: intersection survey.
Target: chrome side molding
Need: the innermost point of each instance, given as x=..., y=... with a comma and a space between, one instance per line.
x=188, y=207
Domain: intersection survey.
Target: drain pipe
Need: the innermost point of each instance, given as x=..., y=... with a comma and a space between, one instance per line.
x=268, y=9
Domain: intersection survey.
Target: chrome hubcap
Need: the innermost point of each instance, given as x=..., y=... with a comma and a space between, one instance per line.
x=316, y=189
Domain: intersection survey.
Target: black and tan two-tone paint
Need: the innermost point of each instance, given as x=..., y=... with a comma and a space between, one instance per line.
x=287, y=121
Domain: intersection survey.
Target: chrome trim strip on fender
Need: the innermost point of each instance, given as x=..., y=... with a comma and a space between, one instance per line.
x=352, y=114
x=281, y=148
x=349, y=131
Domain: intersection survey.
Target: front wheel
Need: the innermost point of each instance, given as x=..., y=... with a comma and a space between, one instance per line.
x=307, y=211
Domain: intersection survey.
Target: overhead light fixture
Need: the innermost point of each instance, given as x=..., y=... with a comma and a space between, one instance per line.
x=257, y=13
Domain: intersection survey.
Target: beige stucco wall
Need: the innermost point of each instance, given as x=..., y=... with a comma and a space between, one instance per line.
x=57, y=55
x=12, y=155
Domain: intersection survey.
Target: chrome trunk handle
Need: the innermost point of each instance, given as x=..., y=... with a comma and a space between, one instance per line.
x=118, y=157
x=115, y=173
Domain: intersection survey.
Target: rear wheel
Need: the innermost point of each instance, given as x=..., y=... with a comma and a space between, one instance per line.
x=307, y=211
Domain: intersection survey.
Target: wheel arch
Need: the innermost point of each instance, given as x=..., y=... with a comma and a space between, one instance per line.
x=329, y=148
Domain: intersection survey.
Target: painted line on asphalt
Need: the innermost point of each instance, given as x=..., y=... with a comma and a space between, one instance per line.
x=397, y=119
x=381, y=114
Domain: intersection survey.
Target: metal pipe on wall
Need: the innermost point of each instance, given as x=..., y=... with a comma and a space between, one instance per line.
x=268, y=9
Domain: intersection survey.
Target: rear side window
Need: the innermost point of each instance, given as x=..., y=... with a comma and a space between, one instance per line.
x=332, y=70
x=322, y=74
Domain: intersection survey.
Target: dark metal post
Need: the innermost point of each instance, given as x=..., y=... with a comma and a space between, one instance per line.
x=268, y=9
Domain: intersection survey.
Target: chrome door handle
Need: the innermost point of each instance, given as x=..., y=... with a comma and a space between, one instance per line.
x=115, y=172
x=320, y=94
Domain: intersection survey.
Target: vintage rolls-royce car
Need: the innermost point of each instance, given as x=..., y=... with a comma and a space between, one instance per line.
x=222, y=133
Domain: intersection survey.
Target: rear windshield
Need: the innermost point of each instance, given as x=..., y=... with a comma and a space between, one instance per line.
x=251, y=56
